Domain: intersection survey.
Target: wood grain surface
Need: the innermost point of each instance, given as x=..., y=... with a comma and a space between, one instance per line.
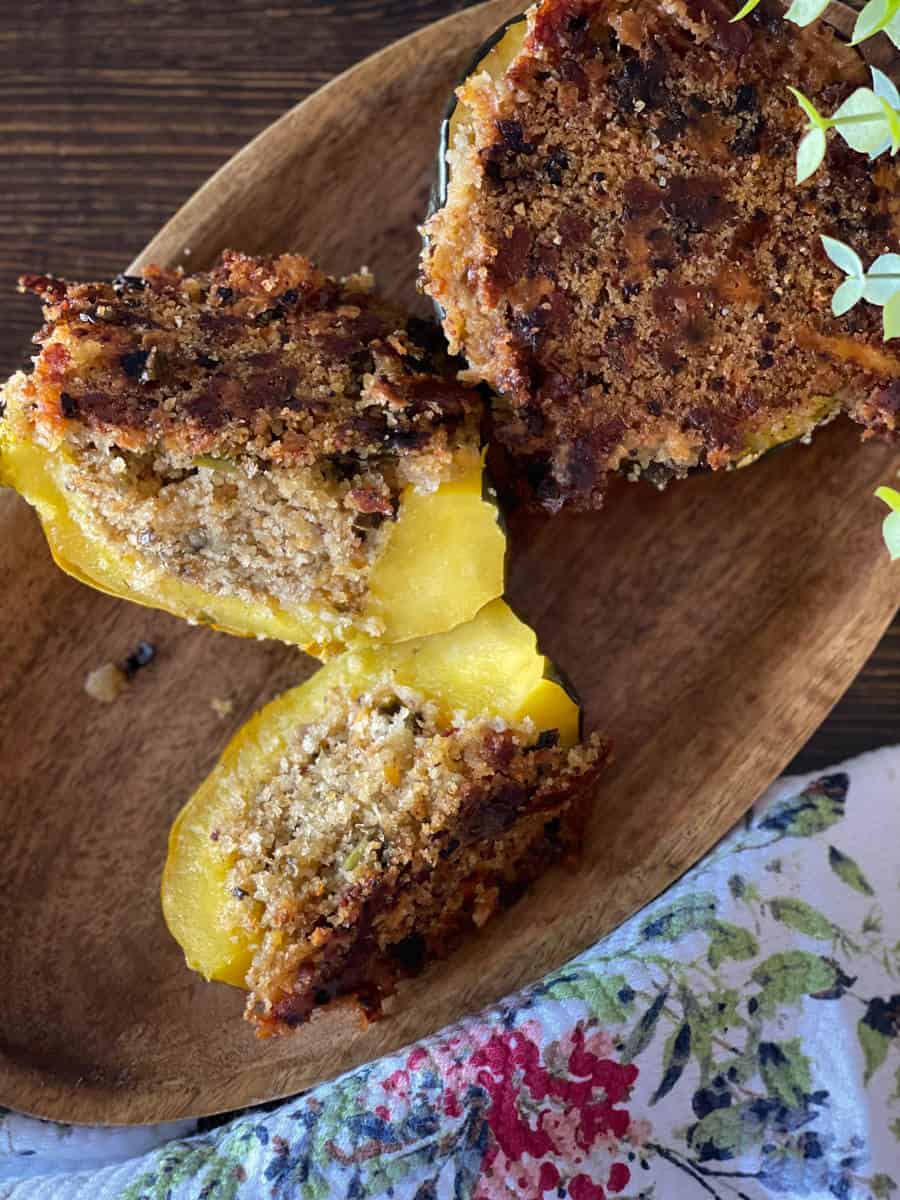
x=710, y=647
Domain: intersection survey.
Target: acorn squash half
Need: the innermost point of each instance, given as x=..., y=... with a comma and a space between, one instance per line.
x=488, y=668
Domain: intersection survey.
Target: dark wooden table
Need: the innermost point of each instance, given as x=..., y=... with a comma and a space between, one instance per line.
x=112, y=112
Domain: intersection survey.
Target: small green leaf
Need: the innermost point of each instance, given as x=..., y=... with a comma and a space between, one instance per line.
x=675, y=1058
x=891, y=532
x=847, y=295
x=642, y=1034
x=804, y=12
x=846, y=869
x=892, y=317
x=843, y=256
x=861, y=122
x=785, y=1071
x=745, y=11
x=893, y=122
x=790, y=975
x=810, y=153
x=882, y=279
x=816, y=120
x=799, y=915
x=890, y=496
x=876, y=15
x=892, y=29
x=720, y=1011
x=884, y=86
x=730, y=941
x=874, y=1047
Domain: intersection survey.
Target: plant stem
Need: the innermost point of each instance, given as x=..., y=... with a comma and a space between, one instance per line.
x=858, y=119
x=700, y=1173
x=673, y=1158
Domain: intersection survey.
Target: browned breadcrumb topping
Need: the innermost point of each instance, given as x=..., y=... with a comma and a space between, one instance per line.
x=624, y=253
x=266, y=357
x=248, y=429
x=387, y=831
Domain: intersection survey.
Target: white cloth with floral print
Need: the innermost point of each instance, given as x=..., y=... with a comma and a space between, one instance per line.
x=739, y=1038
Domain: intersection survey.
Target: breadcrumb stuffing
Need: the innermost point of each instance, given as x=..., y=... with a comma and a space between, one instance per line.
x=388, y=829
x=624, y=256
x=105, y=683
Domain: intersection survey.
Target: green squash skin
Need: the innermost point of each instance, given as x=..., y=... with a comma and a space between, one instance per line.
x=558, y=676
x=552, y=671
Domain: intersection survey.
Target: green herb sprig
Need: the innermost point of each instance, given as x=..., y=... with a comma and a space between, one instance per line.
x=878, y=16
x=868, y=121
x=891, y=526
x=879, y=285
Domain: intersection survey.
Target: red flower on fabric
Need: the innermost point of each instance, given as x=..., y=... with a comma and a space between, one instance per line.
x=583, y=1188
x=553, y=1125
x=506, y=1067
x=619, y=1177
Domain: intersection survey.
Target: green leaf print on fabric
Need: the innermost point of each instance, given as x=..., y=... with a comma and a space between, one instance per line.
x=785, y=1071
x=639, y=1038
x=675, y=1058
x=790, y=975
x=603, y=994
x=217, y=1163
x=819, y=806
x=876, y=1029
x=799, y=915
x=875, y=1047
x=727, y=1132
x=687, y=915
x=730, y=942
x=847, y=870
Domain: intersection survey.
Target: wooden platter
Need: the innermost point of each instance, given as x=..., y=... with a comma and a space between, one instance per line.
x=709, y=630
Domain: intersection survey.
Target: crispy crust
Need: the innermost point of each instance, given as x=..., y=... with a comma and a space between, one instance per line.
x=624, y=255
x=264, y=356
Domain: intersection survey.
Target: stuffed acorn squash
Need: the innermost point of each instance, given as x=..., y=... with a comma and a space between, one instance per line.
x=358, y=824
x=619, y=247
x=262, y=448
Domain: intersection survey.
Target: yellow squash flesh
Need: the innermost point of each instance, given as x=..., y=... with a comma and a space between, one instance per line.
x=490, y=666
x=443, y=559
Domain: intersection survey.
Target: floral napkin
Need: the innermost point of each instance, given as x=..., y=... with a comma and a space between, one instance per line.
x=739, y=1038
